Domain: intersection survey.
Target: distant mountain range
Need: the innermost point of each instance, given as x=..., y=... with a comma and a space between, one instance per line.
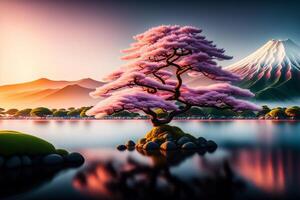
x=49, y=93
x=272, y=72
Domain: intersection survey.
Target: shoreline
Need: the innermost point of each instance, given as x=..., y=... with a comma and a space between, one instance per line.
x=203, y=120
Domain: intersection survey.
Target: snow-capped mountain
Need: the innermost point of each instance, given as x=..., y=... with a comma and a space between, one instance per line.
x=272, y=72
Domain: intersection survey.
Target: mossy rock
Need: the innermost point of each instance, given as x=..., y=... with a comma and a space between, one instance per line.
x=62, y=152
x=159, y=132
x=16, y=143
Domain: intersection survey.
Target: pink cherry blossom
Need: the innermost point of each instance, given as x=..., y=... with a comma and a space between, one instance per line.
x=152, y=76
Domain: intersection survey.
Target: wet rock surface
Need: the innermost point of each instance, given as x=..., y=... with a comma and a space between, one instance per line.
x=150, y=146
x=130, y=143
x=170, y=138
x=121, y=147
x=75, y=158
x=48, y=160
x=13, y=162
x=189, y=146
x=168, y=146
x=53, y=159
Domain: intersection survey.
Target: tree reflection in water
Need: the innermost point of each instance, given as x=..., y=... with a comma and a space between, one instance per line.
x=17, y=181
x=134, y=179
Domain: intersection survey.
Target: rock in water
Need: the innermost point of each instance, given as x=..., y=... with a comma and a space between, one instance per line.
x=142, y=141
x=13, y=162
x=167, y=146
x=53, y=159
x=139, y=146
x=75, y=158
x=121, y=147
x=201, y=140
x=166, y=136
x=183, y=140
x=211, y=146
x=132, y=148
x=151, y=146
x=158, y=141
x=130, y=143
x=189, y=146
x=26, y=161
x=2, y=160
x=62, y=152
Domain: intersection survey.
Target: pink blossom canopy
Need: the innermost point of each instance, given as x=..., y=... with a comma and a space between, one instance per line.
x=152, y=78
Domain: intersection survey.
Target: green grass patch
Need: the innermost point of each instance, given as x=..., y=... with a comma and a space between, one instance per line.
x=16, y=143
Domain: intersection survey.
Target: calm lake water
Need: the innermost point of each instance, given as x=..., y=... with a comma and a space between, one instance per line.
x=255, y=160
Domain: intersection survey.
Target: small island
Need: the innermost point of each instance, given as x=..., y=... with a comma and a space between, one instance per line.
x=23, y=150
x=169, y=138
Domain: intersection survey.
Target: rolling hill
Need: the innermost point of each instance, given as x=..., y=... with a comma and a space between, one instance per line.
x=48, y=93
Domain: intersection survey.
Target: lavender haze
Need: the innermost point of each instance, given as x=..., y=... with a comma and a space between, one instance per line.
x=152, y=77
x=50, y=38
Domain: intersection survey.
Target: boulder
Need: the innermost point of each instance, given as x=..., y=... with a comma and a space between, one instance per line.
x=168, y=137
x=151, y=146
x=211, y=146
x=189, y=146
x=202, y=145
x=201, y=140
x=75, y=158
x=142, y=141
x=2, y=161
x=168, y=146
x=139, y=146
x=156, y=140
x=121, y=147
x=26, y=161
x=131, y=148
x=62, y=152
x=53, y=159
x=13, y=162
x=130, y=143
x=183, y=140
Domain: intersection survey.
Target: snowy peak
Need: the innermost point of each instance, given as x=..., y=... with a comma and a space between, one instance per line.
x=273, y=54
x=274, y=66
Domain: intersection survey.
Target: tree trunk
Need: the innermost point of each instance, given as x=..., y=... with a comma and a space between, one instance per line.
x=157, y=122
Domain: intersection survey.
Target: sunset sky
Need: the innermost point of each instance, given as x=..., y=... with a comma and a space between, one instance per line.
x=75, y=39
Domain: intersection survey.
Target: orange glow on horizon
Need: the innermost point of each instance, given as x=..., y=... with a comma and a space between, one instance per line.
x=39, y=40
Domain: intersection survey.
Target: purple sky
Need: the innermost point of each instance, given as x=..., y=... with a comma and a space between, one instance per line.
x=75, y=39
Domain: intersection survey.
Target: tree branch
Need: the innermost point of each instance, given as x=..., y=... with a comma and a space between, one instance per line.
x=151, y=87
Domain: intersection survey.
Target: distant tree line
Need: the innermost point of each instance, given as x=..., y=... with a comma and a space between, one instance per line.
x=45, y=112
x=292, y=112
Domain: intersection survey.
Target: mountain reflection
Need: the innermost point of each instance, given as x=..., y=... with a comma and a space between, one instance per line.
x=241, y=173
x=136, y=178
x=271, y=170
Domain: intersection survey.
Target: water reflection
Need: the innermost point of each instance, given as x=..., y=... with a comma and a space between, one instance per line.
x=275, y=171
x=264, y=154
x=17, y=181
x=240, y=173
x=135, y=178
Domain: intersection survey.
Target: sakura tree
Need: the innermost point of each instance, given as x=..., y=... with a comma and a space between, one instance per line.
x=153, y=77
